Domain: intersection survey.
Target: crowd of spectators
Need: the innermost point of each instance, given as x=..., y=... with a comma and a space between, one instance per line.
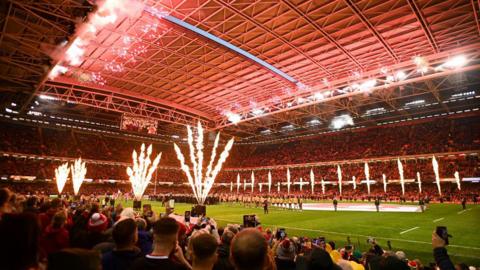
x=38, y=232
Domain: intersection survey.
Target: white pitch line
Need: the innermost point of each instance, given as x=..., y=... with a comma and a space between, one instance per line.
x=414, y=228
x=438, y=219
x=461, y=212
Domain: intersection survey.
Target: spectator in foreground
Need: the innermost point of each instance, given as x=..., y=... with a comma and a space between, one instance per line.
x=165, y=243
x=5, y=197
x=55, y=237
x=223, y=260
x=19, y=235
x=249, y=250
x=74, y=259
x=203, y=250
x=125, y=252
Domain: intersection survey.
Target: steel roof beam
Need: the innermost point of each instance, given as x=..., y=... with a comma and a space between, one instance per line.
x=372, y=29
x=424, y=24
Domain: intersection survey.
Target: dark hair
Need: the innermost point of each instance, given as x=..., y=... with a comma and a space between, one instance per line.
x=5, y=196
x=320, y=259
x=19, y=234
x=227, y=237
x=165, y=226
x=59, y=219
x=74, y=259
x=249, y=249
x=123, y=232
x=204, y=245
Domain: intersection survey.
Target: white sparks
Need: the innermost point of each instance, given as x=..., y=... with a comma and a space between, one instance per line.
x=61, y=176
x=288, y=180
x=269, y=181
x=354, y=182
x=437, y=176
x=400, y=172
x=244, y=185
x=253, y=180
x=141, y=172
x=384, y=177
x=238, y=182
x=341, y=121
x=367, y=176
x=201, y=182
x=78, y=174
x=457, y=179
x=339, y=174
x=323, y=187
x=419, y=182
x=312, y=181
x=57, y=70
x=301, y=183
x=74, y=53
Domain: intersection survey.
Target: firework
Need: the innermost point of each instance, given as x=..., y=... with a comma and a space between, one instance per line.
x=419, y=182
x=384, y=177
x=288, y=181
x=323, y=186
x=202, y=182
x=78, y=174
x=367, y=176
x=457, y=179
x=437, y=176
x=400, y=172
x=142, y=170
x=301, y=183
x=61, y=176
x=244, y=185
x=269, y=181
x=253, y=180
x=354, y=182
x=278, y=187
x=339, y=174
x=231, y=187
x=238, y=182
x=312, y=180
x=260, y=187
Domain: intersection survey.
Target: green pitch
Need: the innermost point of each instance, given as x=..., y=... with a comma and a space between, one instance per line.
x=400, y=228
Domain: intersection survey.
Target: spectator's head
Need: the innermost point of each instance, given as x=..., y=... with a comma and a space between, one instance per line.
x=165, y=234
x=286, y=250
x=141, y=224
x=97, y=223
x=74, y=259
x=125, y=234
x=387, y=263
x=19, y=234
x=5, y=198
x=249, y=250
x=59, y=219
x=203, y=248
x=227, y=237
x=321, y=260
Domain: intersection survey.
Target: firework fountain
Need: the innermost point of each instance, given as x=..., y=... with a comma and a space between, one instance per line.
x=312, y=181
x=400, y=172
x=457, y=179
x=253, y=181
x=238, y=182
x=301, y=183
x=61, y=176
x=260, y=187
x=437, y=176
x=278, y=187
x=269, y=181
x=384, y=177
x=419, y=182
x=367, y=177
x=323, y=186
x=78, y=174
x=354, y=182
x=339, y=174
x=142, y=170
x=288, y=181
x=201, y=182
x=231, y=187
x=244, y=185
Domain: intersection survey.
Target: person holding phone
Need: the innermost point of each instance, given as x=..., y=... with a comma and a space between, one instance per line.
x=439, y=242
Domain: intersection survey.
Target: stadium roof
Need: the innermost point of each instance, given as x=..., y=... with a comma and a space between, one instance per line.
x=250, y=68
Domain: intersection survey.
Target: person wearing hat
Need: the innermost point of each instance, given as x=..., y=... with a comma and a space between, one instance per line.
x=285, y=255
x=97, y=223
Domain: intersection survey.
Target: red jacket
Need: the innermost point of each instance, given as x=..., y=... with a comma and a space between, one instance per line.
x=54, y=240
